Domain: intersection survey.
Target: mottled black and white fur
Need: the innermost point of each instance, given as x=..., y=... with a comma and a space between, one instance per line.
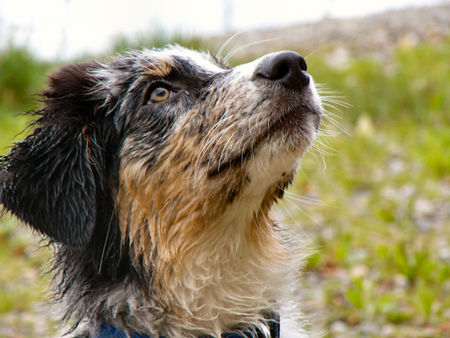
x=153, y=175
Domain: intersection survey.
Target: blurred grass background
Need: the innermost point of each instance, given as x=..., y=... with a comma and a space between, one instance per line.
x=372, y=196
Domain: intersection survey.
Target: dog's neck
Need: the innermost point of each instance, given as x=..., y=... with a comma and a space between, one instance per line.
x=212, y=249
x=212, y=272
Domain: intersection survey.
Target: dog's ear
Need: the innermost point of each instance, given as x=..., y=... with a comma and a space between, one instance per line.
x=51, y=180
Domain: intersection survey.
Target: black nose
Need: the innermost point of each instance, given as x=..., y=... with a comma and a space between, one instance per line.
x=286, y=68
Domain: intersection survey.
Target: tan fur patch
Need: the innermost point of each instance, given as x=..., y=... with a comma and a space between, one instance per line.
x=160, y=68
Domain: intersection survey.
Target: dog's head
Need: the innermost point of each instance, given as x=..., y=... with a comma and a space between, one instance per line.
x=157, y=145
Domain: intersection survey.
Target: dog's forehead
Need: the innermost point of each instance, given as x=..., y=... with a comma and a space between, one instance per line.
x=114, y=76
x=201, y=61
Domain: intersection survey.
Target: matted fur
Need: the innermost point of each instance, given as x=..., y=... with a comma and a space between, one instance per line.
x=160, y=211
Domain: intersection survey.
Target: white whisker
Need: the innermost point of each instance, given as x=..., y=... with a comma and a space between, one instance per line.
x=222, y=48
x=238, y=49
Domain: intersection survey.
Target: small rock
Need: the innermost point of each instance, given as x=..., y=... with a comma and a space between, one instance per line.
x=339, y=58
x=338, y=327
x=387, y=330
x=369, y=328
x=400, y=282
x=444, y=254
x=364, y=126
x=423, y=207
x=395, y=166
x=359, y=271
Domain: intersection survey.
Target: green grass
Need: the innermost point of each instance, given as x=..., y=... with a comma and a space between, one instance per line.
x=383, y=232
x=380, y=233
x=21, y=77
x=23, y=283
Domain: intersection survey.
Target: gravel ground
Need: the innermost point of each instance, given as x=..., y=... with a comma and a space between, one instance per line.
x=376, y=35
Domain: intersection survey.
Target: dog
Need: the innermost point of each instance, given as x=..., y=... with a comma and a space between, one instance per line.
x=152, y=175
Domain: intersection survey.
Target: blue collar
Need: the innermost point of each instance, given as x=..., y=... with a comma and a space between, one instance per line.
x=108, y=331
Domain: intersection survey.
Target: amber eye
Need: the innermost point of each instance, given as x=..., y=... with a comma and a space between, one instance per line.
x=159, y=94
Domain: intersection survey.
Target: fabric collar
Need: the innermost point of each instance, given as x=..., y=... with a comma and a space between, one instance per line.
x=108, y=331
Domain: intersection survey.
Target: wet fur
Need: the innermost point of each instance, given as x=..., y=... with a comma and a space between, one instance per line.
x=160, y=213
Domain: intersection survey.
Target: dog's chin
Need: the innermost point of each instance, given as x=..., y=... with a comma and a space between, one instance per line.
x=295, y=121
x=293, y=131
x=278, y=155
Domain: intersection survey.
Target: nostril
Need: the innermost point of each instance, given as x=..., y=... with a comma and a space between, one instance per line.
x=287, y=68
x=279, y=71
x=303, y=65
